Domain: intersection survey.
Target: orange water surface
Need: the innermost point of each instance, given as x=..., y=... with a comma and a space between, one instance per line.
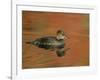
x=39, y=24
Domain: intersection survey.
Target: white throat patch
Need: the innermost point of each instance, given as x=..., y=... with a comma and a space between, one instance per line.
x=60, y=37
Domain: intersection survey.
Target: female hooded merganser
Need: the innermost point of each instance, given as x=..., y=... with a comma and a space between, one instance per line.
x=51, y=43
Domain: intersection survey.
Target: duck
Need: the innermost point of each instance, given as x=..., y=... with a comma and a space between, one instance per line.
x=53, y=43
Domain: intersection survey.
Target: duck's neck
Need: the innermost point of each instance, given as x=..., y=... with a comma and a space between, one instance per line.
x=59, y=37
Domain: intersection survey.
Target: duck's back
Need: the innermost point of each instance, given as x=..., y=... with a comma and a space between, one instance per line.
x=48, y=42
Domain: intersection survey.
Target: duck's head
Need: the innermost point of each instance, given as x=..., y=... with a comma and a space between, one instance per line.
x=60, y=35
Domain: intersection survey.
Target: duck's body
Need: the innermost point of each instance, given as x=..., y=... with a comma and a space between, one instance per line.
x=51, y=43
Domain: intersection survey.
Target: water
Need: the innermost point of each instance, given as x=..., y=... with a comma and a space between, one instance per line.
x=39, y=24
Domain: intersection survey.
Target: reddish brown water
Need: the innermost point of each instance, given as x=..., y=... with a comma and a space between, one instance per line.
x=39, y=24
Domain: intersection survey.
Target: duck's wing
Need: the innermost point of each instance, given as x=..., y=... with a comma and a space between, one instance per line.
x=44, y=42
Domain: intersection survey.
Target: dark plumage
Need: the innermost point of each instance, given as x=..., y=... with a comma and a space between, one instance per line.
x=51, y=43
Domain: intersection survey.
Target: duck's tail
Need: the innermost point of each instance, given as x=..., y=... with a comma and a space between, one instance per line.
x=33, y=42
x=28, y=42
